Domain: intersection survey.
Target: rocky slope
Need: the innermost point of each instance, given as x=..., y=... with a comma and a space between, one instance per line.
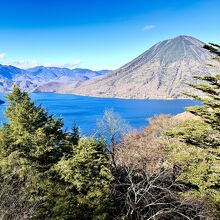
x=44, y=79
x=158, y=73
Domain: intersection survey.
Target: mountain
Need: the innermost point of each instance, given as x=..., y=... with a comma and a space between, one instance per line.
x=44, y=79
x=158, y=73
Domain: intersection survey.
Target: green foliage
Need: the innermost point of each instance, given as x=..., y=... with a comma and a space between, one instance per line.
x=30, y=131
x=48, y=173
x=74, y=136
x=214, y=48
x=199, y=157
x=87, y=173
x=30, y=144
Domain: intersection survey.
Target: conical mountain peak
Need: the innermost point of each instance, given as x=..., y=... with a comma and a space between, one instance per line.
x=160, y=72
x=189, y=40
x=169, y=51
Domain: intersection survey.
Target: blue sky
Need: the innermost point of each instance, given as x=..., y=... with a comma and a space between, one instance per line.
x=98, y=34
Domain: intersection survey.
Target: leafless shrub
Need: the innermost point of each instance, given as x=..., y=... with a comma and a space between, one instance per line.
x=113, y=128
x=145, y=184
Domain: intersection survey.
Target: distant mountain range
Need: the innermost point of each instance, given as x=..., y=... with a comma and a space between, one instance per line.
x=159, y=73
x=44, y=79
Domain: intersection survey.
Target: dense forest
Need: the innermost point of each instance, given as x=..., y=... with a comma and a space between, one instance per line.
x=169, y=170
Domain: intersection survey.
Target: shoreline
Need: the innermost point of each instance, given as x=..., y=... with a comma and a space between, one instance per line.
x=104, y=97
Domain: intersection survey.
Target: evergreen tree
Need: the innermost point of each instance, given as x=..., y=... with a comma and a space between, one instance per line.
x=64, y=176
x=31, y=143
x=87, y=173
x=36, y=135
x=74, y=135
x=199, y=159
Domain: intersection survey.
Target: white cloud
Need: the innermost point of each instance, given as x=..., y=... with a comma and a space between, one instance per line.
x=149, y=27
x=2, y=55
x=70, y=65
x=25, y=64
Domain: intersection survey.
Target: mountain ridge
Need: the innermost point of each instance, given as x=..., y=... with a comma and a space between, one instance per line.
x=38, y=78
x=158, y=73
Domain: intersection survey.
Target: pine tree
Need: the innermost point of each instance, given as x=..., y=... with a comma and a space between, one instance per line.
x=199, y=158
x=74, y=135
x=63, y=175
x=31, y=143
x=36, y=135
x=87, y=173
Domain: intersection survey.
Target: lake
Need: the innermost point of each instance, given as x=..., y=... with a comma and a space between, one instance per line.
x=85, y=111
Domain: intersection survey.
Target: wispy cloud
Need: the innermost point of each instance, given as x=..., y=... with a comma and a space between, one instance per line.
x=25, y=64
x=2, y=55
x=69, y=65
x=149, y=27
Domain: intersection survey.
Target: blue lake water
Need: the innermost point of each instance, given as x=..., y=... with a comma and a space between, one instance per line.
x=85, y=111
